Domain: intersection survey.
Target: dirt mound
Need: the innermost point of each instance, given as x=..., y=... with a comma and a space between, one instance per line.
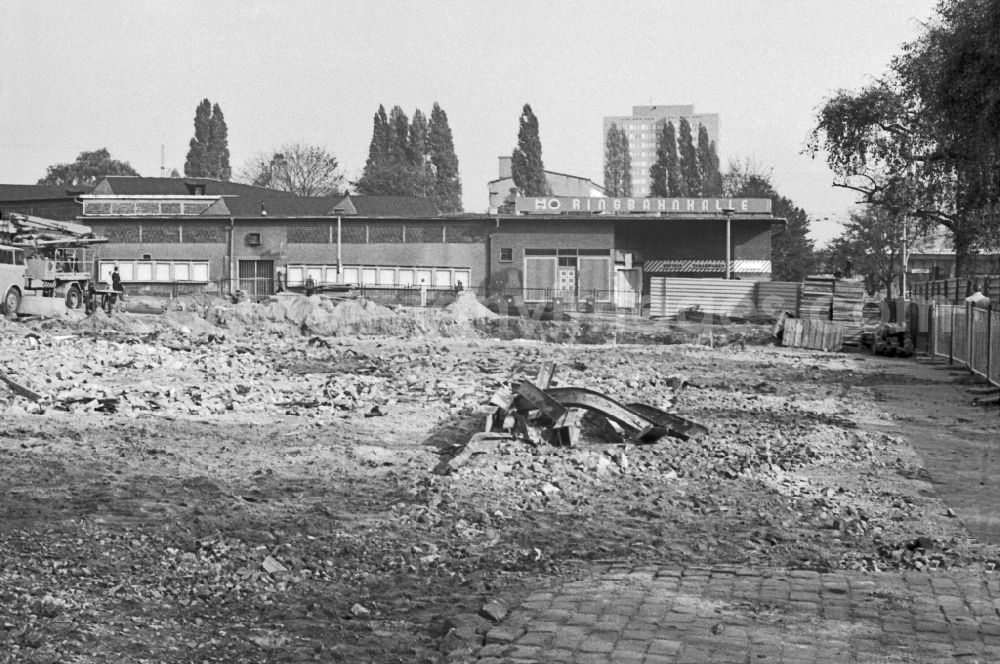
x=467, y=306
x=188, y=323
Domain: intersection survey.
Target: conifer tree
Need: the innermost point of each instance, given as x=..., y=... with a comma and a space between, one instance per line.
x=708, y=163
x=672, y=164
x=666, y=145
x=526, y=161
x=617, y=162
x=441, y=149
x=197, y=162
x=688, y=158
x=218, y=145
x=208, y=152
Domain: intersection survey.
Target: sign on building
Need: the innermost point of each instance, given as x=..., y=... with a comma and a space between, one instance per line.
x=666, y=206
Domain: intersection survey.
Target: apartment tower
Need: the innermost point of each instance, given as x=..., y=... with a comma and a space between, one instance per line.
x=642, y=127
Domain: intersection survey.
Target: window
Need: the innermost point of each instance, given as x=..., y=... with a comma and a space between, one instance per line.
x=147, y=271
x=386, y=277
x=253, y=239
x=369, y=276
x=506, y=254
x=351, y=275
x=405, y=277
x=442, y=278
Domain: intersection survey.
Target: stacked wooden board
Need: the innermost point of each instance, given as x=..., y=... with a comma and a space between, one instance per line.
x=813, y=333
x=817, y=298
x=848, y=301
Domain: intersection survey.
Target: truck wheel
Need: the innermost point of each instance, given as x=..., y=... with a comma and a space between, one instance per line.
x=11, y=301
x=74, y=297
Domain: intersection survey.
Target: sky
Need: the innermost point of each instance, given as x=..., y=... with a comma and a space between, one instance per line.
x=79, y=76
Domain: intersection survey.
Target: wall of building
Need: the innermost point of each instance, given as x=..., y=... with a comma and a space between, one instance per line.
x=517, y=235
x=665, y=239
x=59, y=209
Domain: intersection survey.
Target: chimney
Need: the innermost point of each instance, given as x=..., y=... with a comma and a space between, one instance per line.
x=263, y=209
x=505, y=168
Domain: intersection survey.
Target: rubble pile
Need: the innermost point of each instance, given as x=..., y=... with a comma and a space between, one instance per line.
x=222, y=483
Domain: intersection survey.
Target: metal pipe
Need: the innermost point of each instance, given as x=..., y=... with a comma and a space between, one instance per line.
x=729, y=239
x=340, y=267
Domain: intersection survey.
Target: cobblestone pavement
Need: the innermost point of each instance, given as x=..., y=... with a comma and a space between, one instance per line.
x=725, y=615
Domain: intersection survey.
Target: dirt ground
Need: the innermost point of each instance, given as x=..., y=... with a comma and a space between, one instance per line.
x=203, y=486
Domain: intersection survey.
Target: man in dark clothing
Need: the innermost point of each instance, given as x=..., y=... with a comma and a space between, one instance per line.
x=116, y=290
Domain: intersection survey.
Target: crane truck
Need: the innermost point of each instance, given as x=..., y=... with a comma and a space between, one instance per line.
x=54, y=258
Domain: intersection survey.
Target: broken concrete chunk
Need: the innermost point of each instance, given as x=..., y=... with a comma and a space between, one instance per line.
x=495, y=610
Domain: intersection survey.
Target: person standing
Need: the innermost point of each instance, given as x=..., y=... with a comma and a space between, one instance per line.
x=116, y=290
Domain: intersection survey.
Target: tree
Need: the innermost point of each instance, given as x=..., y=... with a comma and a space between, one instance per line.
x=672, y=163
x=218, y=145
x=924, y=139
x=708, y=164
x=526, y=162
x=88, y=169
x=208, y=152
x=666, y=144
x=441, y=148
x=872, y=243
x=792, y=257
x=688, y=162
x=398, y=157
x=617, y=162
x=302, y=169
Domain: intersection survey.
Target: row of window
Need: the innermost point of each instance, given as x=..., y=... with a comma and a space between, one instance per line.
x=378, y=275
x=147, y=271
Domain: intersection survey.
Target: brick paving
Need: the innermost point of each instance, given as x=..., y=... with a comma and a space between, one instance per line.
x=694, y=615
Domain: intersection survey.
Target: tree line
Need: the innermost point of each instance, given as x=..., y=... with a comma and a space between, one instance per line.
x=406, y=158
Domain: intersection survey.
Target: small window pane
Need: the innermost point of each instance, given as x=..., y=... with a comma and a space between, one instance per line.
x=316, y=273
x=144, y=272
x=369, y=276
x=351, y=275
x=424, y=277
x=182, y=272
x=199, y=271
x=162, y=272
x=331, y=275
x=294, y=276
x=105, y=271
x=127, y=270
x=387, y=277
x=405, y=278
x=463, y=276
x=442, y=278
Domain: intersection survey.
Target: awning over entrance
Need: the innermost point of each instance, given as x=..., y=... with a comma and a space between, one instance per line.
x=687, y=266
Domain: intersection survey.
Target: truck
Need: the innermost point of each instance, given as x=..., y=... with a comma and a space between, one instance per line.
x=45, y=258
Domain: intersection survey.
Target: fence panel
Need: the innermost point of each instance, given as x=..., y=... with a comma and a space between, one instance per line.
x=730, y=298
x=960, y=336
x=943, y=332
x=979, y=349
x=994, y=348
x=773, y=297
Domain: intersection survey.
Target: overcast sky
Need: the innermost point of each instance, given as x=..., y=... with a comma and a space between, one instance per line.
x=128, y=75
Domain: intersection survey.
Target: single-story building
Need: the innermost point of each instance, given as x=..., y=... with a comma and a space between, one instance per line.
x=182, y=235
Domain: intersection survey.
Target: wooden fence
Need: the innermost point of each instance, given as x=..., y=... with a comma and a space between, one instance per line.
x=967, y=335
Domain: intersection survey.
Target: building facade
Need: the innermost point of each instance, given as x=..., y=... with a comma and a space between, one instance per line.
x=594, y=248
x=642, y=128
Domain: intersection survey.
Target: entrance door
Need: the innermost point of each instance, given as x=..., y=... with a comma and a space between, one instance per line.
x=566, y=285
x=256, y=278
